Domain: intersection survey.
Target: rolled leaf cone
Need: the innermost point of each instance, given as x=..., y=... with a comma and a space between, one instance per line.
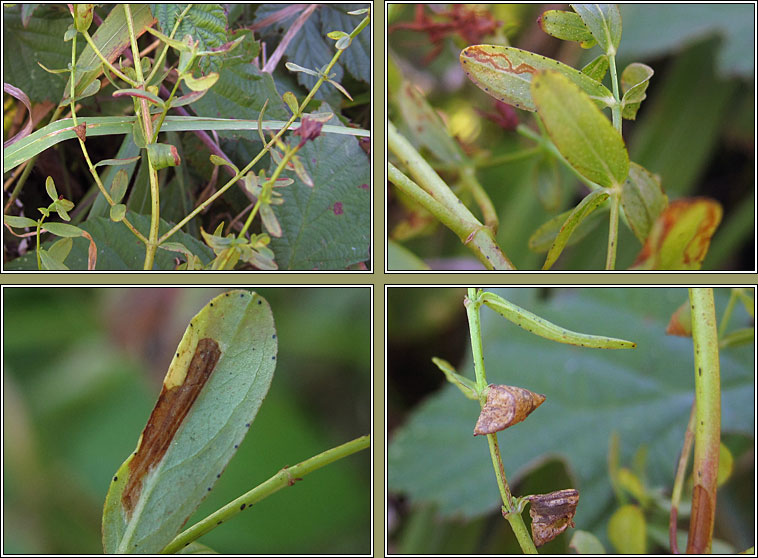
x=552, y=514
x=506, y=406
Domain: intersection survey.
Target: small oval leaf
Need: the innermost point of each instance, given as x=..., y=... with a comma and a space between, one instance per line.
x=567, y=26
x=214, y=387
x=643, y=200
x=604, y=22
x=579, y=130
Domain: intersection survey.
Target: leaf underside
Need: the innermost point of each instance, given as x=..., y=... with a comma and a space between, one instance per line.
x=147, y=504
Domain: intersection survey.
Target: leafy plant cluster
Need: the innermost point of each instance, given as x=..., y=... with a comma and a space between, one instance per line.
x=611, y=424
x=276, y=165
x=437, y=178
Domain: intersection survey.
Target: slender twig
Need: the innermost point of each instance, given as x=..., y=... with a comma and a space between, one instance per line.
x=473, y=303
x=273, y=60
x=285, y=477
x=681, y=469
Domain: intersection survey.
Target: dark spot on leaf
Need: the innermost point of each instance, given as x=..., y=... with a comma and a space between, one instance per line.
x=209, y=489
x=242, y=507
x=337, y=208
x=235, y=447
x=259, y=302
x=247, y=425
x=219, y=523
x=115, y=479
x=364, y=186
x=273, y=336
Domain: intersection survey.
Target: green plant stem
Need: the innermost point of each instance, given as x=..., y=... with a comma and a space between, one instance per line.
x=707, y=420
x=90, y=166
x=472, y=303
x=613, y=228
x=616, y=109
x=469, y=181
x=440, y=200
x=162, y=56
x=285, y=477
x=727, y=313
x=266, y=147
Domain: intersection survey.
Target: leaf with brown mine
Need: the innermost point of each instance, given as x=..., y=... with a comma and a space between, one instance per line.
x=173, y=405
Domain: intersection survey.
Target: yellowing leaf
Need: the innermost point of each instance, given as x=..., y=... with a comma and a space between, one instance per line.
x=680, y=237
x=627, y=530
x=580, y=131
x=643, y=200
x=506, y=73
x=215, y=384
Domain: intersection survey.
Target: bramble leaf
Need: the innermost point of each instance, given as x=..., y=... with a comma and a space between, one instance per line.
x=212, y=391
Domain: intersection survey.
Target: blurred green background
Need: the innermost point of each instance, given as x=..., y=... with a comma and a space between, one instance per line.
x=695, y=129
x=443, y=498
x=83, y=368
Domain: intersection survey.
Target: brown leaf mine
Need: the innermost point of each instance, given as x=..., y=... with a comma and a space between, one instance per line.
x=167, y=416
x=552, y=514
x=506, y=406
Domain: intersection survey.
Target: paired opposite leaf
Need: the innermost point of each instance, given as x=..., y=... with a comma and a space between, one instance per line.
x=579, y=130
x=214, y=387
x=506, y=73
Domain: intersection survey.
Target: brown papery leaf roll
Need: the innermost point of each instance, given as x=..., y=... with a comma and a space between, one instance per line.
x=506, y=406
x=552, y=514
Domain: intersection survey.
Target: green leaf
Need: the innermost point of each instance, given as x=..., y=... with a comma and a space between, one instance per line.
x=118, y=188
x=60, y=249
x=206, y=23
x=117, y=248
x=127, y=151
x=211, y=394
x=627, y=530
x=49, y=262
x=579, y=130
x=506, y=74
x=291, y=101
x=19, y=222
x=118, y=212
x=643, y=200
x=680, y=237
x=220, y=161
x=544, y=236
x=117, y=162
x=634, y=81
x=203, y=83
x=141, y=94
x=62, y=229
x=466, y=385
x=597, y=68
x=52, y=193
x=163, y=155
x=646, y=394
x=589, y=204
x=604, y=22
x=566, y=26
x=327, y=226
